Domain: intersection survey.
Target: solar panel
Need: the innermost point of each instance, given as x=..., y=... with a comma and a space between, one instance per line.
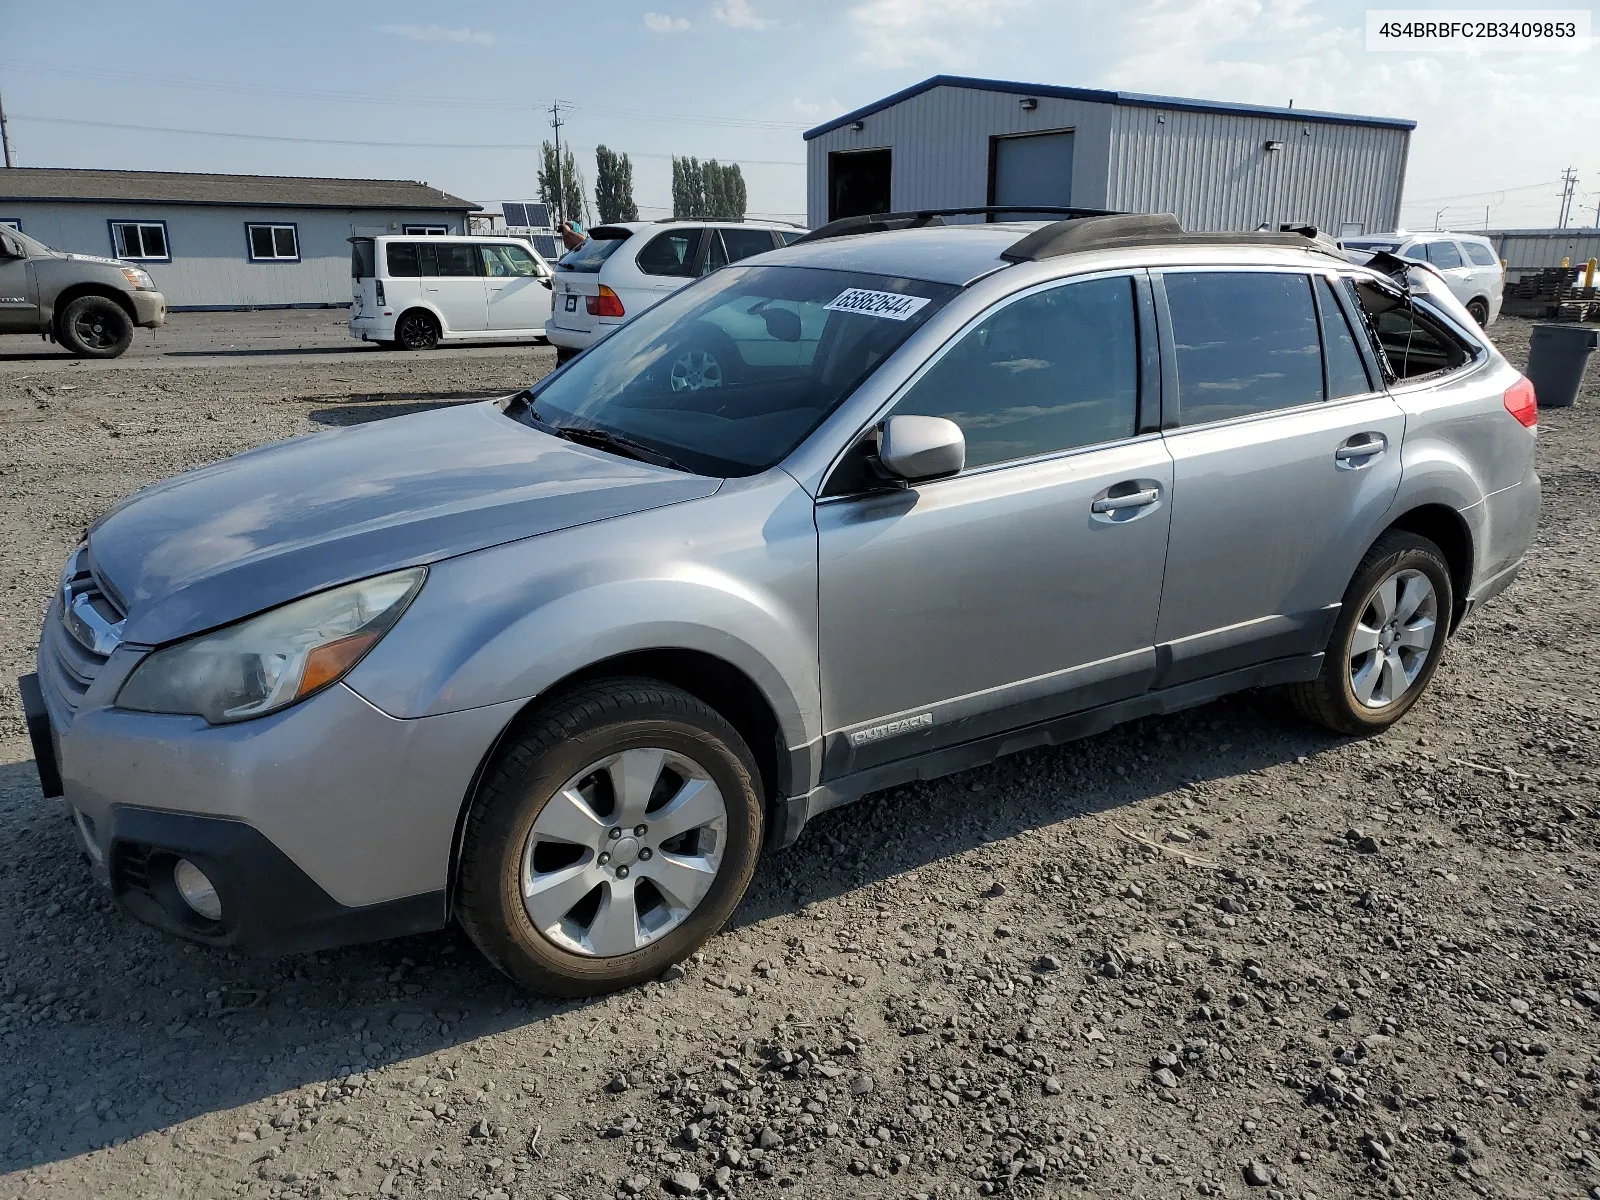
x=538, y=215
x=515, y=214
x=547, y=246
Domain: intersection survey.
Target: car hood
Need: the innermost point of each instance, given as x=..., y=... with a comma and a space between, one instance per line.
x=272, y=524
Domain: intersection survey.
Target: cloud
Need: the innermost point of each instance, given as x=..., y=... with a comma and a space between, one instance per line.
x=737, y=13
x=901, y=33
x=661, y=23
x=438, y=33
x=806, y=109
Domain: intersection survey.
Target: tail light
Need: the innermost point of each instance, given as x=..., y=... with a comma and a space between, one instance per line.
x=606, y=304
x=378, y=283
x=1522, y=403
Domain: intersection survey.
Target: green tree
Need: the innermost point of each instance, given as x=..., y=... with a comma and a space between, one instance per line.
x=613, y=186
x=707, y=190
x=573, y=205
x=734, y=198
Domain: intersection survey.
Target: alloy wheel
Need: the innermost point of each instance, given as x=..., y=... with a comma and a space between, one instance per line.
x=92, y=331
x=623, y=853
x=694, y=370
x=1390, y=644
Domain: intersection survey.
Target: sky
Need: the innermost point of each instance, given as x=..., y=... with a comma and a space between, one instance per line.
x=459, y=96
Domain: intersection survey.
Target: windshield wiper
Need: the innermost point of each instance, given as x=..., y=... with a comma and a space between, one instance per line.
x=604, y=439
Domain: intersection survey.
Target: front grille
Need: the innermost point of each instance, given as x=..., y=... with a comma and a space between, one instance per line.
x=84, y=627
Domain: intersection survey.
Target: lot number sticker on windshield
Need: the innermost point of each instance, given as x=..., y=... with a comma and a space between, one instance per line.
x=892, y=305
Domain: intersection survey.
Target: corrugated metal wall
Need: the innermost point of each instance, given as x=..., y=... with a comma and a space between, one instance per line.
x=1214, y=171
x=940, y=141
x=211, y=267
x=1527, y=250
x=1210, y=168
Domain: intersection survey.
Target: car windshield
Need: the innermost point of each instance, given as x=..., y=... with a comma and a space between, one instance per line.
x=596, y=248
x=729, y=375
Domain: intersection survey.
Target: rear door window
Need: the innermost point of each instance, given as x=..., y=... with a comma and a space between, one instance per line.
x=1346, y=372
x=1443, y=255
x=671, y=253
x=741, y=241
x=1246, y=343
x=458, y=258
x=716, y=253
x=1052, y=371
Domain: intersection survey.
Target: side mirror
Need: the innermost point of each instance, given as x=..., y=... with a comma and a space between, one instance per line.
x=783, y=324
x=918, y=449
x=10, y=247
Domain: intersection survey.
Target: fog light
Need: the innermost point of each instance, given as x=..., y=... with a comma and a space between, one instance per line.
x=197, y=890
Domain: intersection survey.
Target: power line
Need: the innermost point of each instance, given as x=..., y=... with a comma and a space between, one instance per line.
x=387, y=99
x=309, y=141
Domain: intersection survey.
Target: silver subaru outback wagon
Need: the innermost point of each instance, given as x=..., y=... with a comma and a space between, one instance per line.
x=558, y=665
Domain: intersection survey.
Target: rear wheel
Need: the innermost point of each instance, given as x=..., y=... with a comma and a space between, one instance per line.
x=416, y=330
x=1388, y=640
x=1479, y=308
x=615, y=835
x=94, y=327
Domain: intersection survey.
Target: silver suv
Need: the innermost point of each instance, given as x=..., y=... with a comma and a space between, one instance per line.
x=557, y=666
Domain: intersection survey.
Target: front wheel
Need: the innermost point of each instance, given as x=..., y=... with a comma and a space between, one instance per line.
x=95, y=327
x=1388, y=640
x=612, y=838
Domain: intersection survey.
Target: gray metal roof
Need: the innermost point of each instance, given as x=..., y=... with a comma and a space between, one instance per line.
x=1101, y=96
x=255, y=191
x=938, y=254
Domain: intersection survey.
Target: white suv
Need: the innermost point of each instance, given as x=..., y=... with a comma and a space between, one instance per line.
x=415, y=292
x=623, y=269
x=1468, y=263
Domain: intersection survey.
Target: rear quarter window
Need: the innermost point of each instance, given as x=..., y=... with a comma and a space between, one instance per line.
x=1480, y=255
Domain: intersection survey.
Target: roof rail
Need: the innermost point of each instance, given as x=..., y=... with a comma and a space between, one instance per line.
x=1144, y=229
x=922, y=217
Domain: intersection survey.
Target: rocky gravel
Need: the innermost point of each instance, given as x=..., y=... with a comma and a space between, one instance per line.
x=1212, y=954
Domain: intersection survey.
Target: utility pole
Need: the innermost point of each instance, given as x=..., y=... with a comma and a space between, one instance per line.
x=561, y=191
x=1569, y=183
x=1436, y=219
x=5, y=136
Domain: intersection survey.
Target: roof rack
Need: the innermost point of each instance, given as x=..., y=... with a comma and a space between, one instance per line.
x=923, y=217
x=1146, y=229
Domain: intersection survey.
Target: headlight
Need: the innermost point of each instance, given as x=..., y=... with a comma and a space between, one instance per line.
x=139, y=280
x=269, y=662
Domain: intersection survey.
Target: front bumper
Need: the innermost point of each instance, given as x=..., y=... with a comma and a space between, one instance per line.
x=149, y=309
x=327, y=823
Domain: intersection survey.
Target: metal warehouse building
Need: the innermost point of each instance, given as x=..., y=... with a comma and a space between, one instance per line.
x=224, y=241
x=951, y=141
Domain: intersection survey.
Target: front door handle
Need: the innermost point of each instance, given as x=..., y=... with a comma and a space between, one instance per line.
x=1107, y=504
x=1362, y=450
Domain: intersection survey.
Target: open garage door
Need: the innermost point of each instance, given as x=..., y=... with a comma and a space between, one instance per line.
x=858, y=183
x=1031, y=168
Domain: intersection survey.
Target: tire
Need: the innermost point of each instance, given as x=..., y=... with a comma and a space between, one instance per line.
x=1479, y=309
x=94, y=327
x=565, y=354
x=1363, y=690
x=416, y=330
x=707, y=359
x=546, y=814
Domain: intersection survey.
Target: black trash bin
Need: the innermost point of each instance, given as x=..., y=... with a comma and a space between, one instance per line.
x=1556, y=360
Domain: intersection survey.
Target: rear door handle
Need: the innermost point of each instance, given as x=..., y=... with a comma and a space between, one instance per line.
x=1107, y=504
x=1362, y=450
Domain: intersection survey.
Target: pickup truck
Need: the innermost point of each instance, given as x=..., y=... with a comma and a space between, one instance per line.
x=88, y=304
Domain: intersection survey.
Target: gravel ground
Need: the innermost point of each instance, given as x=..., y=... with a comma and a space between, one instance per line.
x=1213, y=954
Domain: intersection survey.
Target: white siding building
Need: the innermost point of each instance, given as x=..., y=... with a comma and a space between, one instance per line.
x=951, y=141
x=224, y=241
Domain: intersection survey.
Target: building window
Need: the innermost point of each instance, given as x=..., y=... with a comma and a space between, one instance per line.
x=12, y=223
x=426, y=230
x=145, y=241
x=273, y=243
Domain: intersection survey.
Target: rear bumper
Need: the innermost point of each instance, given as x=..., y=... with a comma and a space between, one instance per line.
x=570, y=339
x=374, y=328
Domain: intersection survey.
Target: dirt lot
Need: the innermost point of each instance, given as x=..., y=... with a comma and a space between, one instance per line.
x=1214, y=954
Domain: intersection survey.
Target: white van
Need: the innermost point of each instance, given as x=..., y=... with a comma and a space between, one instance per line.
x=1469, y=264
x=415, y=292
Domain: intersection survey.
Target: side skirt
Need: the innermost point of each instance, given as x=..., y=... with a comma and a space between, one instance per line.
x=794, y=812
